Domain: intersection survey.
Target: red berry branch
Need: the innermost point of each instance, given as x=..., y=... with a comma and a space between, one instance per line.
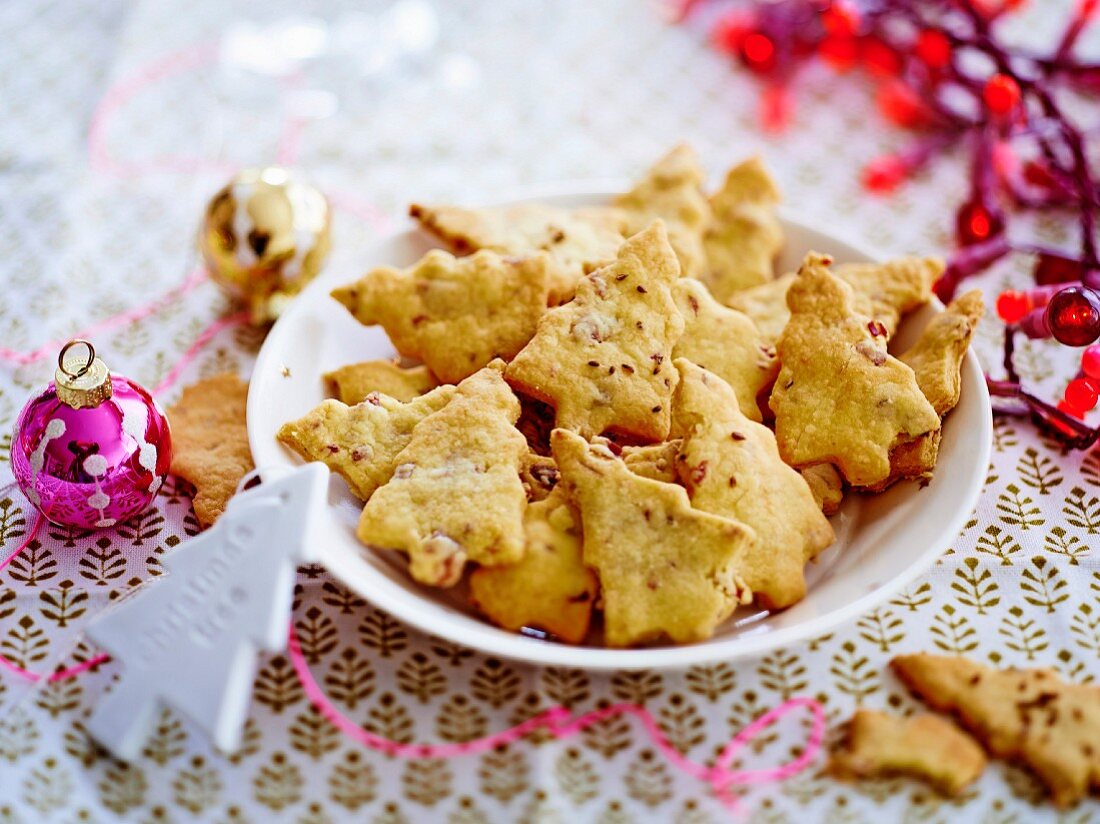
x=942, y=70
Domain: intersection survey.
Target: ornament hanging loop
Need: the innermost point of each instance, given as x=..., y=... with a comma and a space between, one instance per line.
x=62, y=361
x=89, y=385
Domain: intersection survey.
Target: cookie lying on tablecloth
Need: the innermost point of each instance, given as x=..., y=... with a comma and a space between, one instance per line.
x=454, y=314
x=665, y=569
x=744, y=236
x=578, y=240
x=455, y=493
x=1030, y=715
x=731, y=467
x=672, y=190
x=840, y=397
x=603, y=360
x=361, y=442
x=923, y=746
x=352, y=383
x=210, y=442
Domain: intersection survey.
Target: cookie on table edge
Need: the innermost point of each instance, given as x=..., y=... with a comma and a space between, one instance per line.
x=1030, y=715
x=210, y=441
x=922, y=746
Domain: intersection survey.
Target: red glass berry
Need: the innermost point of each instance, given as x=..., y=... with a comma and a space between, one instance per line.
x=1001, y=95
x=1057, y=269
x=1012, y=306
x=975, y=223
x=884, y=174
x=841, y=19
x=901, y=105
x=933, y=49
x=1082, y=393
x=880, y=59
x=1073, y=316
x=1090, y=362
x=839, y=52
x=758, y=51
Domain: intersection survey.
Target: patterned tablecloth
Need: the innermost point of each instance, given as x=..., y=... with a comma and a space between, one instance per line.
x=457, y=100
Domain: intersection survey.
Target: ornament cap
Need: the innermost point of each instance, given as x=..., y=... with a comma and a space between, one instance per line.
x=81, y=382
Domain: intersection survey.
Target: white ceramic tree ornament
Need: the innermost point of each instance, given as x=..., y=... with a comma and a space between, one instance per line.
x=190, y=639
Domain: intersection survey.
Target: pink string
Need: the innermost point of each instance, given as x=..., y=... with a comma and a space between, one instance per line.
x=50, y=348
x=561, y=724
x=192, y=352
x=61, y=674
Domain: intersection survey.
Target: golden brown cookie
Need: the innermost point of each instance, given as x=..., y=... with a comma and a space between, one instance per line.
x=725, y=342
x=826, y=485
x=603, y=361
x=656, y=461
x=352, y=383
x=840, y=398
x=210, y=442
x=731, y=467
x=360, y=443
x=1028, y=715
x=455, y=493
x=889, y=291
x=673, y=191
x=549, y=589
x=578, y=240
x=455, y=314
x=744, y=236
x=884, y=291
x=936, y=358
x=923, y=746
x=665, y=569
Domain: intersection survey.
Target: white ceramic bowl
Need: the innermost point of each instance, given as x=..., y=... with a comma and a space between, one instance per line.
x=883, y=541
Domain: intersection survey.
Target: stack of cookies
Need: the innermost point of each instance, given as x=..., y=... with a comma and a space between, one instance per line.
x=622, y=411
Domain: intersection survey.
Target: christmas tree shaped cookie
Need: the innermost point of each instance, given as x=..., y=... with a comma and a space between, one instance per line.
x=455, y=314
x=456, y=493
x=603, y=360
x=744, y=236
x=578, y=240
x=665, y=569
x=352, y=383
x=840, y=397
x=550, y=588
x=936, y=358
x=1030, y=715
x=673, y=191
x=360, y=442
x=725, y=342
x=731, y=467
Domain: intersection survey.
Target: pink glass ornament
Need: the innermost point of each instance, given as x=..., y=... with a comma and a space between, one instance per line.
x=88, y=451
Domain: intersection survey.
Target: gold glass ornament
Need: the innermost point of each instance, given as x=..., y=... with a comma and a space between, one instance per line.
x=265, y=235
